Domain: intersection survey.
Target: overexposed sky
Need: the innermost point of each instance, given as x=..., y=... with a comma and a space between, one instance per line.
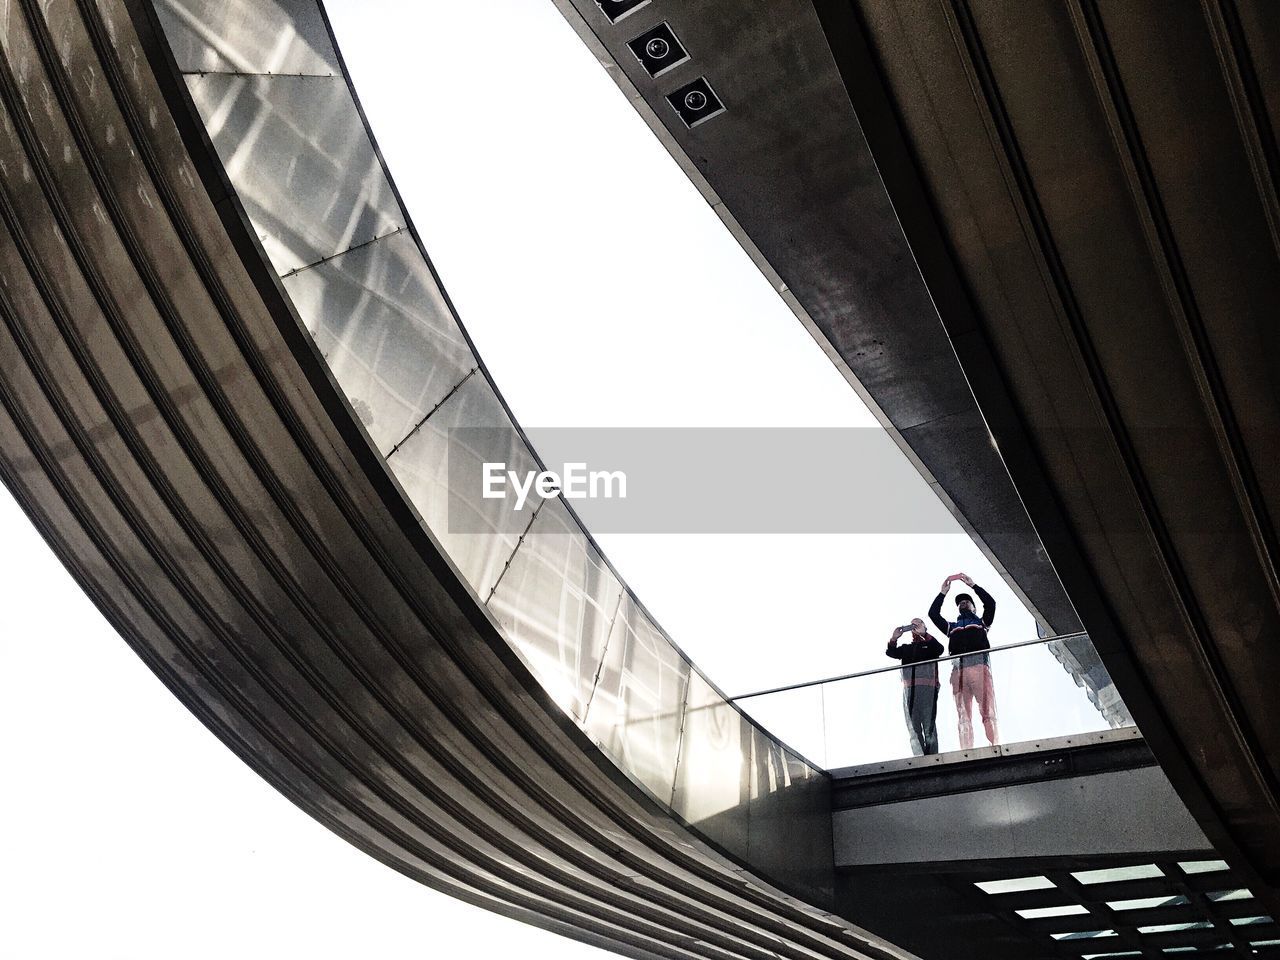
x=557, y=222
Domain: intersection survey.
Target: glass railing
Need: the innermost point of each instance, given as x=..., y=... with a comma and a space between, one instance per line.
x=1020, y=693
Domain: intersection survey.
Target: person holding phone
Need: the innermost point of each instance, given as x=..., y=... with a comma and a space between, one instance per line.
x=919, y=656
x=970, y=675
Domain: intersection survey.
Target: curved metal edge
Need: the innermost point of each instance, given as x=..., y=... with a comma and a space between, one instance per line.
x=69, y=560
x=236, y=222
x=484, y=369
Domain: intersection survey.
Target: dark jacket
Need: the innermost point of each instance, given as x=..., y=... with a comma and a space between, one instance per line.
x=968, y=633
x=917, y=656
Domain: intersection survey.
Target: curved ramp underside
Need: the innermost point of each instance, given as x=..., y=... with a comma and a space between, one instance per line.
x=168, y=424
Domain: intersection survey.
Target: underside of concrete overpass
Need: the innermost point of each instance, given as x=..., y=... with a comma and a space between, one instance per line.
x=1063, y=851
x=1066, y=213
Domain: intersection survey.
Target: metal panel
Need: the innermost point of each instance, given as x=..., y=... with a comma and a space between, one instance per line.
x=555, y=604
x=248, y=36
x=1127, y=811
x=422, y=465
x=300, y=159
x=386, y=332
x=638, y=706
x=789, y=835
x=713, y=779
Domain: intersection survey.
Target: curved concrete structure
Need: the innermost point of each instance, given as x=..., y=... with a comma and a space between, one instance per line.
x=169, y=424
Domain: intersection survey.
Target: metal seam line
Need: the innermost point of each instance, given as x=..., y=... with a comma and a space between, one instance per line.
x=684, y=715
x=604, y=652
x=443, y=400
x=822, y=707
x=335, y=256
x=254, y=73
x=516, y=549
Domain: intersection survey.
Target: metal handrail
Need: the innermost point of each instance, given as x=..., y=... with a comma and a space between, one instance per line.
x=894, y=668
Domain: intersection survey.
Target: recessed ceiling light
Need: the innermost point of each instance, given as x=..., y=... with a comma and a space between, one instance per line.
x=1170, y=927
x=1146, y=903
x=1221, y=896
x=696, y=102
x=1068, y=910
x=658, y=50
x=1202, y=866
x=1083, y=934
x=1114, y=874
x=615, y=10
x=1015, y=885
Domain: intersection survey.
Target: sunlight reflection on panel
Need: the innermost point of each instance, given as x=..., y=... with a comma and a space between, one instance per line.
x=246, y=36
x=638, y=706
x=556, y=603
x=385, y=331
x=712, y=780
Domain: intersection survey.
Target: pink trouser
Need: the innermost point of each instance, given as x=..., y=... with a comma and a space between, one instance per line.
x=971, y=682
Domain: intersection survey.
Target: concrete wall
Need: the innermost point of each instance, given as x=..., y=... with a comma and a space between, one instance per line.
x=1125, y=811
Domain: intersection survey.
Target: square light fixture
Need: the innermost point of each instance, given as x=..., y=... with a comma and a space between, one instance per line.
x=615, y=10
x=658, y=50
x=696, y=102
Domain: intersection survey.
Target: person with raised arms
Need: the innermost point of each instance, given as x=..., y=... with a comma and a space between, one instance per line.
x=970, y=675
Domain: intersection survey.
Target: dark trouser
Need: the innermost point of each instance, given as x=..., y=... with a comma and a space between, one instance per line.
x=920, y=707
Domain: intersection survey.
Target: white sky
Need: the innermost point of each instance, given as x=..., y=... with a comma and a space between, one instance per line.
x=130, y=832
x=556, y=219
